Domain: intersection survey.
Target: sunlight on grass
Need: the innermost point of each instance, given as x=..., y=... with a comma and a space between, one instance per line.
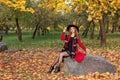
x=52, y=39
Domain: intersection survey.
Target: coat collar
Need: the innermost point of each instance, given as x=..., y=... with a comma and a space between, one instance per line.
x=70, y=36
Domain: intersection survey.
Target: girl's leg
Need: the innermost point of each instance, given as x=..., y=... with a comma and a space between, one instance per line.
x=56, y=61
x=63, y=54
x=60, y=60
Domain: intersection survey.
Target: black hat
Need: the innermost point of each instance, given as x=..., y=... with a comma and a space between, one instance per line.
x=72, y=26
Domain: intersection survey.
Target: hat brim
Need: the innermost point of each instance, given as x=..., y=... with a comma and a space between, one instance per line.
x=72, y=26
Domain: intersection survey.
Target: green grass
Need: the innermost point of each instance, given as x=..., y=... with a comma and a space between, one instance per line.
x=52, y=39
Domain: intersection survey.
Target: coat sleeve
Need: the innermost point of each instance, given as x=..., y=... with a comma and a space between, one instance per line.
x=63, y=37
x=81, y=44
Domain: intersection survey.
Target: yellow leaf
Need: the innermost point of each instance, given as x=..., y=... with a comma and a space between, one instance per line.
x=89, y=18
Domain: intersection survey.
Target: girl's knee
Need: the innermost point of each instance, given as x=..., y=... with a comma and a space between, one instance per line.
x=61, y=54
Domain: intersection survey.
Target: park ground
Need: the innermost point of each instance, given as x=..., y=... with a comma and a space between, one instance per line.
x=33, y=62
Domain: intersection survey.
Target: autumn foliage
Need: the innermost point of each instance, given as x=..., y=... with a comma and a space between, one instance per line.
x=96, y=7
x=17, y=4
x=33, y=64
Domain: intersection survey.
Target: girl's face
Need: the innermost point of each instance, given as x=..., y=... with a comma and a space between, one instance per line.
x=72, y=30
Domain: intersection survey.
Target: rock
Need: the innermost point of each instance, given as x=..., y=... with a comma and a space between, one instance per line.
x=3, y=46
x=12, y=51
x=91, y=63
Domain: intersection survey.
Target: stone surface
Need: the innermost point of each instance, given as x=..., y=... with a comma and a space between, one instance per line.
x=91, y=63
x=12, y=51
x=3, y=46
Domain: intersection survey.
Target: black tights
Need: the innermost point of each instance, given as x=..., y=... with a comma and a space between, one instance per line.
x=59, y=59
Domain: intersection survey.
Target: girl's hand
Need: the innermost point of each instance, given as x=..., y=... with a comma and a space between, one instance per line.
x=64, y=30
x=87, y=51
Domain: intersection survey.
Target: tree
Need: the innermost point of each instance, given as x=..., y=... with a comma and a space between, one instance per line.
x=49, y=11
x=98, y=10
x=17, y=6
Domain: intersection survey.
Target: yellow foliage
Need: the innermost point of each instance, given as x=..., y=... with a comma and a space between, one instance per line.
x=17, y=4
x=48, y=28
x=96, y=7
x=118, y=3
x=86, y=3
x=89, y=18
x=62, y=5
x=40, y=5
x=23, y=8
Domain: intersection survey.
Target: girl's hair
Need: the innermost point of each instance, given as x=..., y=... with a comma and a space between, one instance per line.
x=76, y=32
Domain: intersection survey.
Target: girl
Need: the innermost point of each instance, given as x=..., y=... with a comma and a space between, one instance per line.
x=70, y=48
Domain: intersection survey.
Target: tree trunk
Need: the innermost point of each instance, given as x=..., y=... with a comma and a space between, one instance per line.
x=93, y=28
x=102, y=30
x=34, y=33
x=115, y=23
x=107, y=25
x=119, y=28
x=6, y=30
x=113, y=28
x=99, y=35
x=79, y=24
x=1, y=38
x=43, y=32
x=86, y=30
x=18, y=30
x=107, y=28
x=55, y=25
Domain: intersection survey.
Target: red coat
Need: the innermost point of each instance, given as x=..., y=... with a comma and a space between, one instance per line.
x=79, y=55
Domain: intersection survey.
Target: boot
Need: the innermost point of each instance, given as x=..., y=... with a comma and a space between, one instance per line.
x=57, y=69
x=51, y=69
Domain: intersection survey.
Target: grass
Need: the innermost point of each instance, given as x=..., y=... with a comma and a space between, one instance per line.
x=52, y=39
